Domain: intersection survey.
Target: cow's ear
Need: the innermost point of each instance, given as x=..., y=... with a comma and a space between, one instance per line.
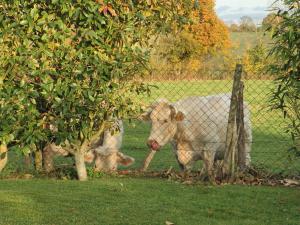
x=176, y=115
x=124, y=159
x=179, y=116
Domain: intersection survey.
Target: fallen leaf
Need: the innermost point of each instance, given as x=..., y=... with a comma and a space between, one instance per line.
x=111, y=11
x=169, y=223
x=290, y=182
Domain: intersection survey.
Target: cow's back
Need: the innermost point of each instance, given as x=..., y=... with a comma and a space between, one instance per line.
x=198, y=108
x=206, y=118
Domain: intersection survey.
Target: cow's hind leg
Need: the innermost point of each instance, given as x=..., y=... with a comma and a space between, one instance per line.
x=185, y=159
x=248, y=143
x=208, y=158
x=181, y=166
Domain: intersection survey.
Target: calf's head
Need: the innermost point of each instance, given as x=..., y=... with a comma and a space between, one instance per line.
x=164, y=119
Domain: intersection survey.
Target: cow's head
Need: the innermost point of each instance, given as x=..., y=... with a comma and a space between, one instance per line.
x=164, y=119
x=108, y=162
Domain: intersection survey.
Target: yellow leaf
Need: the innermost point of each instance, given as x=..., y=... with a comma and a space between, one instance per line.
x=111, y=11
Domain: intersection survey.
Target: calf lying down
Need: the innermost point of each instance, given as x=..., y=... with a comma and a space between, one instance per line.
x=104, y=153
x=196, y=128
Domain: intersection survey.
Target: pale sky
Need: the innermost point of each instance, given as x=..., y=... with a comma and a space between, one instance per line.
x=232, y=10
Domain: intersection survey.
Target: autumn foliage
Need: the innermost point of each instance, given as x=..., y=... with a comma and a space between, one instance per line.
x=208, y=29
x=186, y=55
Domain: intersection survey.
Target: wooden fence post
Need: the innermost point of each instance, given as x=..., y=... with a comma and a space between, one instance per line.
x=232, y=135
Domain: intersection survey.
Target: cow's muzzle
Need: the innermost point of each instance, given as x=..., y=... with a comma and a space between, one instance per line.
x=153, y=145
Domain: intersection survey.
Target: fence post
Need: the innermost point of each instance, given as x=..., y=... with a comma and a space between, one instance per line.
x=232, y=135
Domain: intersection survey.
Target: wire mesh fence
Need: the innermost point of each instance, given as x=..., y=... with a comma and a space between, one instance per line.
x=187, y=119
x=185, y=124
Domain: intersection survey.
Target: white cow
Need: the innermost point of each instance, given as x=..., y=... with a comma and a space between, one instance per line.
x=105, y=152
x=196, y=128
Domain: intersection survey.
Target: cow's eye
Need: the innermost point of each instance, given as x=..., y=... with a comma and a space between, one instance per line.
x=165, y=121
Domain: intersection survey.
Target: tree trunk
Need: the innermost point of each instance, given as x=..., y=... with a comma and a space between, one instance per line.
x=38, y=160
x=80, y=166
x=27, y=161
x=48, y=159
x=3, y=156
x=228, y=168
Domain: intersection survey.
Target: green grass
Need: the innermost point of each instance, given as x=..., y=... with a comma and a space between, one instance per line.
x=143, y=201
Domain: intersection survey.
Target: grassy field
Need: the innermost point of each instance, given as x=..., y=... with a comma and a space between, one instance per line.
x=128, y=201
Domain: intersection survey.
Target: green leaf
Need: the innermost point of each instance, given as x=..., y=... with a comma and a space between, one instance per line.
x=24, y=22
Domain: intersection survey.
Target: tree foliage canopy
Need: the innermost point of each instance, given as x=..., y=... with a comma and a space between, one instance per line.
x=286, y=51
x=271, y=20
x=247, y=24
x=186, y=52
x=210, y=32
x=68, y=64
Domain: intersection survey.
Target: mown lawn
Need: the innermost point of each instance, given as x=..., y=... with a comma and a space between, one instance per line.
x=144, y=201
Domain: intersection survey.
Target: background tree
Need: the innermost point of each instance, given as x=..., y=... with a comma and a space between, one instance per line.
x=247, y=24
x=286, y=51
x=69, y=65
x=234, y=27
x=256, y=61
x=187, y=51
x=211, y=32
x=271, y=20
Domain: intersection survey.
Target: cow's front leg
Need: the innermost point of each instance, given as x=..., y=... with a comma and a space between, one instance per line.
x=185, y=156
x=175, y=151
